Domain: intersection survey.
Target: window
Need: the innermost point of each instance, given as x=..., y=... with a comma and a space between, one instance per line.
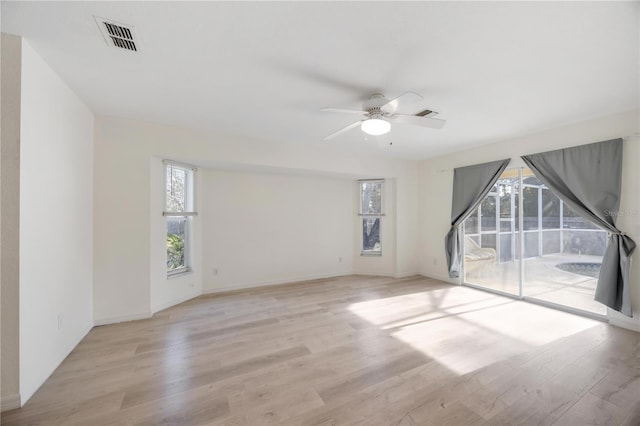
x=371, y=213
x=179, y=211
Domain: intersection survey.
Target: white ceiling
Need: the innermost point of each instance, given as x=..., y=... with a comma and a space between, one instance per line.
x=493, y=70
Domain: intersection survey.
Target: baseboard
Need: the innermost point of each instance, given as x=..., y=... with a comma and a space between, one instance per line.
x=387, y=274
x=377, y=274
x=174, y=302
x=625, y=322
x=405, y=274
x=123, y=318
x=225, y=289
x=10, y=402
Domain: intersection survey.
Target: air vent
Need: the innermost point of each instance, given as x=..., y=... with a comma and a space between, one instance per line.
x=117, y=35
x=425, y=113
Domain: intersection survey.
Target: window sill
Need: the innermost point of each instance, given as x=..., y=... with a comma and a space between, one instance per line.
x=179, y=273
x=371, y=254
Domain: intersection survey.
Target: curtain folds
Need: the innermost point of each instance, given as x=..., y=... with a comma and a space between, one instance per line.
x=588, y=178
x=470, y=185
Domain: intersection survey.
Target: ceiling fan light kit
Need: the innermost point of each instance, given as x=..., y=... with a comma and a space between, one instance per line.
x=378, y=113
x=375, y=126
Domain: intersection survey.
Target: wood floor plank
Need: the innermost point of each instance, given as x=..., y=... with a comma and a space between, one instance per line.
x=591, y=410
x=161, y=389
x=372, y=375
x=621, y=387
x=633, y=416
x=353, y=350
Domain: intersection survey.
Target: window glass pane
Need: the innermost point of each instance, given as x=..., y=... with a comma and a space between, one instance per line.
x=528, y=178
x=508, y=207
x=516, y=212
x=530, y=244
x=550, y=210
x=471, y=224
x=591, y=243
x=488, y=241
x=551, y=242
x=176, y=237
x=488, y=213
x=371, y=197
x=371, y=234
x=506, y=223
x=507, y=247
x=176, y=189
x=530, y=208
x=571, y=220
x=530, y=192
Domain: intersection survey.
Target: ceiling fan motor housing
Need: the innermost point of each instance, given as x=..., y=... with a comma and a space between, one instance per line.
x=373, y=104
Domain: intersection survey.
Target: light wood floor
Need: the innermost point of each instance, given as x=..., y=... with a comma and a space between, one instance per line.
x=348, y=351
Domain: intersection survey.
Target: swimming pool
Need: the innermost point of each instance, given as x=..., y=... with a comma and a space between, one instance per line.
x=588, y=269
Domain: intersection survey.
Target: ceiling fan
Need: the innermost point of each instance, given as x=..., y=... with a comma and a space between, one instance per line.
x=378, y=113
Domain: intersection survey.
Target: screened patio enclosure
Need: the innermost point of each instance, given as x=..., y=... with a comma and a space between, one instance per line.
x=547, y=253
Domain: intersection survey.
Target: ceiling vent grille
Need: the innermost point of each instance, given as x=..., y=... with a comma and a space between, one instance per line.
x=117, y=34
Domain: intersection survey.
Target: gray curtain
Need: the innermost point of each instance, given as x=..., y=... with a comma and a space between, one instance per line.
x=588, y=178
x=470, y=185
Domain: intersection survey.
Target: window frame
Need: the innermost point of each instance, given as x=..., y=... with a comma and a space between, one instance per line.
x=188, y=213
x=362, y=215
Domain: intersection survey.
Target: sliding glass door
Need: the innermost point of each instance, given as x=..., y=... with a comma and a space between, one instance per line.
x=559, y=259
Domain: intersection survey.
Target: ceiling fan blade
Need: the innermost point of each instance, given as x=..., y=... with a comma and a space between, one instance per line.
x=406, y=98
x=344, y=110
x=343, y=130
x=433, y=123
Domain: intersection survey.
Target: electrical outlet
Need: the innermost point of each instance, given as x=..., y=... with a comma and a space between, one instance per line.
x=59, y=321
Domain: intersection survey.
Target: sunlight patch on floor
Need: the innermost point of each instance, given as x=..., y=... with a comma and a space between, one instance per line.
x=441, y=324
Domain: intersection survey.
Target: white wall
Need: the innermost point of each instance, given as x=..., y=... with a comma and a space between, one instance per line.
x=125, y=240
x=56, y=221
x=121, y=232
x=9, y=222
x=436, y=181
x=264, y=228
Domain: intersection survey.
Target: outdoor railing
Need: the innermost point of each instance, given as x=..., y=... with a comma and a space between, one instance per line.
x=542, y=242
